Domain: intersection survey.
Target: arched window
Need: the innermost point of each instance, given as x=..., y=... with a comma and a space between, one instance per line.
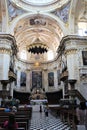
x=82, y=28
x=50, y=55
x=23, y=55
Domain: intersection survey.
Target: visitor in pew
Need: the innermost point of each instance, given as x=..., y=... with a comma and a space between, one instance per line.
x=11, y=123
x=14, y=109
x=7, y=109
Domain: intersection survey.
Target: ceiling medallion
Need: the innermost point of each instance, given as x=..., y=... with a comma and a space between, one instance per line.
x=37, y=47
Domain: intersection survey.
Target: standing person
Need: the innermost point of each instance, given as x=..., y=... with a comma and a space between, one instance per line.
x=40, y=108
x=11, y=123
x=46, y=111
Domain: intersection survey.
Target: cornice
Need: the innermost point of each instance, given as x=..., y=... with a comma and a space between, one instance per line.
x=73, y=38
x=9, y=39
x=69, y=38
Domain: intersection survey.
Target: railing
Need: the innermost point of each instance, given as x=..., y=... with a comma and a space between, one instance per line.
x=64, y=75
x=76, y=93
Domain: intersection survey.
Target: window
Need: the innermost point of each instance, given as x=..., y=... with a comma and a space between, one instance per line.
x=23, y=55
x=50, y=55
x=82, y=29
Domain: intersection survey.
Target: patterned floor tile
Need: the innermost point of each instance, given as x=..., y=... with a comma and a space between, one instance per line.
x=40, y=122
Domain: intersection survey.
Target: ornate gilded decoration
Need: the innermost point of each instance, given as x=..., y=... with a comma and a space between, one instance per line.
x=70, y=51
x=9, y=42
x=37, y=47
x=5, y=50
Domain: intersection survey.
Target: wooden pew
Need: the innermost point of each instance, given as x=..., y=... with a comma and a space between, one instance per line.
x=66, y=115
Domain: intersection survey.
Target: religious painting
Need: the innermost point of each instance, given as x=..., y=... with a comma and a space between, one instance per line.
x=16, y=77
x=58, y=77
x=84, y=56
x=23, y=79
x=36, y=79
x=37, y=21
x=51, y=79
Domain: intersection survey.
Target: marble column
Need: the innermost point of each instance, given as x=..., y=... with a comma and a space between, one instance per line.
x=72, y=46
x=55, y=79
x=72, y=64
x=28, y=80
x=11, y=88
x=45, y=79
x=18, y=78
x=7, y=43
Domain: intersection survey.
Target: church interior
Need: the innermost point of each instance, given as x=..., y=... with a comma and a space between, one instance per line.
x=43, y=59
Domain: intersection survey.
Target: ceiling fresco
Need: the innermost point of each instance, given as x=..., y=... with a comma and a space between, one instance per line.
x=36, y=25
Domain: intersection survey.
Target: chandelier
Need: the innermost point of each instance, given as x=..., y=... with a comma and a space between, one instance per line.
x=37, y=47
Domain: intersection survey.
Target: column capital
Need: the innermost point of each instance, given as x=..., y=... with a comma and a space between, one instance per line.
x=70, y=51
x=8, y=41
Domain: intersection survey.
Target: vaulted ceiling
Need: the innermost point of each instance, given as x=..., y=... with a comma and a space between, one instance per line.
x=30, y=20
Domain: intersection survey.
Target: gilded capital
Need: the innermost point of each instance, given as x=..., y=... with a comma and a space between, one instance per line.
x=70, y=51
x=5, y=51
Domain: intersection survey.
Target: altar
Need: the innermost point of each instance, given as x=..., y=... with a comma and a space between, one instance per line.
x=38, y=102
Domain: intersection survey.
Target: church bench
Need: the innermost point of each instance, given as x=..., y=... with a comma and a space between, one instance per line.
x=21, y=128
x=66, y=114
x=20, y=121
x=20, y=124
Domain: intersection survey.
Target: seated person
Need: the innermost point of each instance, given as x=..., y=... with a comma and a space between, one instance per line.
x=7, y=109
x=11, y=123
x=14, y=109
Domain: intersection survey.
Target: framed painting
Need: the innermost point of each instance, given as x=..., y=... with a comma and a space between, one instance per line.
x=84, y=56
x=51, y=78
x=36, y=79
x=23, y=79
x=58, y=77
x=16, y=78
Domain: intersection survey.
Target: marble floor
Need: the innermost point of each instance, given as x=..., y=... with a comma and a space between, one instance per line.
x=40, y=122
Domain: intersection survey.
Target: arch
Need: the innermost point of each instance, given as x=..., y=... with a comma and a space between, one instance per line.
x=75, y=11
x=51, y=16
